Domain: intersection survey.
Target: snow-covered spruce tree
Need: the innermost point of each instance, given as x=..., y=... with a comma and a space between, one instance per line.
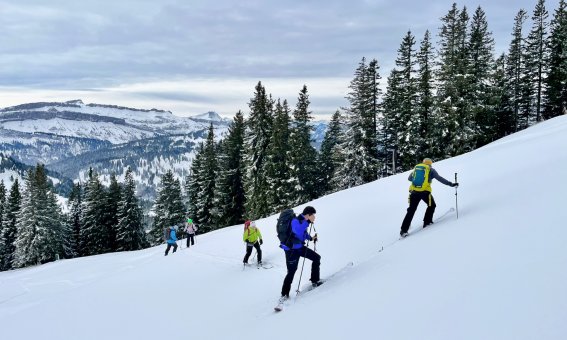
x=94, y=237
x=303, y=156
x=388, y=131
x=258, y=132
x=403, y=118
x=515, y=69
x=278, y=167
x=207, y=214
x=130, y=230
x=229, y=192
x=193, y=184
x=40, y=231
x=425, y=106
x=168, y=208
x=9, y=229
x=500, y=100
x=359, y=146
x=556, y=82
x=2, y=212
x=325, y=161
x=455, y=124
x=481, y=66
x=113, y=199
x=537, y=59
x=75, y=218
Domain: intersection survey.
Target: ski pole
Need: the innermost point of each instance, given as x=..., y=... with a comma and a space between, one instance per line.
x=304, y=254
x=456, y=201
x=314, y=242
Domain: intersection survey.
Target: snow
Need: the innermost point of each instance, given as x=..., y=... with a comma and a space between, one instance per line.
x=496, y=272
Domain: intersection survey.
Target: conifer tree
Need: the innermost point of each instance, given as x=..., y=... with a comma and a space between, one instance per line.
x=2, y=207
x=168, y=208
x=75, y=217
x=277, y=167
x=258, y=132
x=501, y=103
x=303, y=156
x=229, y=192
x=113, y=199
x=326, y=162
x=515, y=69
x=94, y=237
x=454, y=122
x=359, y=146
x=130, y=229
x=194, y=183
x=389, y=126
x=424, y=113
x=556, y=82
x=9, y=230
x=481, y=63
x=537, y=59
x=207, y=213
x=40, y=231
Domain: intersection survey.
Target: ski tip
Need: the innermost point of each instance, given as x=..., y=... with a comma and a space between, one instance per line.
x=278, y=309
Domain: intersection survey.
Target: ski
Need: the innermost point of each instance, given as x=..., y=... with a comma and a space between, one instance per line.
x=437, y=220
x=281, y=303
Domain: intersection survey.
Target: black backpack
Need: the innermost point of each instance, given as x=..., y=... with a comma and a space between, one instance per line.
x=284, y=227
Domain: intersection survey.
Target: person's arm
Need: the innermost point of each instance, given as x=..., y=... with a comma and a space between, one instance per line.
x=244, y=236
x=434, y=174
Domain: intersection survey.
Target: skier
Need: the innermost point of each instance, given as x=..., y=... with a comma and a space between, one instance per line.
x=190, y=229
x=298, y=249
x=253, y=238
x=171, y=239
x=420, y=189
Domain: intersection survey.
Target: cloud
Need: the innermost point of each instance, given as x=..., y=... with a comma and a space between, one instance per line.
x=66, y=45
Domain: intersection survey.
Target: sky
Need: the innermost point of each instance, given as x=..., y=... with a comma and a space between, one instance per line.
x=494, y=272
x=190, y=57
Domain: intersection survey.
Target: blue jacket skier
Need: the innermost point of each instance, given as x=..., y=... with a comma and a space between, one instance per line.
x=299, y=229
x=171, y=239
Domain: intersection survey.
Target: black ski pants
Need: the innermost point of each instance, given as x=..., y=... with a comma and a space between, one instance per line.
x=249, y=251
x=292, y=262
x=169, y=245
x=190, y=237
x=414, y=198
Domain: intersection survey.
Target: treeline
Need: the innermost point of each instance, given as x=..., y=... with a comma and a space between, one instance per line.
x=34, y=230
x=439, y=102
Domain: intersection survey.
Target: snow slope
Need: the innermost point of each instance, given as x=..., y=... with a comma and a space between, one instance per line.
x=496, y=272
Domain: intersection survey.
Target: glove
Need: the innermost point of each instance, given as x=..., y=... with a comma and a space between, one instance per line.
x=314, y=238
x=454, y=184
x=261, y=242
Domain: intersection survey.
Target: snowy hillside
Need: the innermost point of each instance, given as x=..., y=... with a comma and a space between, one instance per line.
x=496, y=272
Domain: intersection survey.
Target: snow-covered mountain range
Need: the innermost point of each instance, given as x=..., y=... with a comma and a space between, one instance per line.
x=73, y=136
x=70, y=137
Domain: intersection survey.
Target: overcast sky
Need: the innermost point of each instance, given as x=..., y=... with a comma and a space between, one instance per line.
x=194, y=56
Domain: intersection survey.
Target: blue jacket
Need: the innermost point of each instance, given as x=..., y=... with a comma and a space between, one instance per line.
x=299, y=227
x=172, y=236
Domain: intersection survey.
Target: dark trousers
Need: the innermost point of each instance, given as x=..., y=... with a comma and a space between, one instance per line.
x=292, y=262
x=249, y=251
x=169, y=245
x=414, y=198
x=192, y=238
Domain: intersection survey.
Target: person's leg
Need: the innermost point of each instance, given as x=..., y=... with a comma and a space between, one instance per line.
x=167, y=249
x=192, y=239
x=413, y=202
x=428, y=218
x=315, y=264
x=248, y=252
x=188, y=239
x=175, y=247
x=291, y=262
x=259, y=251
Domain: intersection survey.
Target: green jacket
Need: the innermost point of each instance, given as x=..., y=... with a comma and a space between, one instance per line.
x=252, y=235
